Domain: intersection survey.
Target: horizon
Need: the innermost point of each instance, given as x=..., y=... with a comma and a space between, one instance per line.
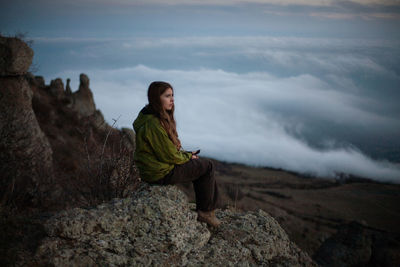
x=310, y=86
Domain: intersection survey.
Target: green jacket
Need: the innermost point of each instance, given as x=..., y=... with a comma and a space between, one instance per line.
x=155, y=154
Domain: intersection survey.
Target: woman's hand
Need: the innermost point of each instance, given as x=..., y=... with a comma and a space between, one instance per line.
x=194, y=156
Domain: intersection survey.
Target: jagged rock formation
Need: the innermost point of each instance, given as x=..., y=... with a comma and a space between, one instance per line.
x=25, y=152
x=68, y=90
x=157, y=226
x=57, y=88
x=83, y=101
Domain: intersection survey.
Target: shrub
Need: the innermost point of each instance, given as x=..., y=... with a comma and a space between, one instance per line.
x=108, y=170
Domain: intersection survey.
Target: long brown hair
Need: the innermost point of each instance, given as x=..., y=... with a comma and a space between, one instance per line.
x=166, y=117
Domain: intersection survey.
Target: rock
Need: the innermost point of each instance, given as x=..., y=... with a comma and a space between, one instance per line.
x=83, y=101
x=40, y=81
x=129, y=137
x=84, y=82
x=68, y=90
x=26, y=163
x=356, y=244
x=349, y=247
x=69, y=99
x=15, y=56
x=252, y=238
x=157, y=226
x=57, y=88
x=30, y=79
x=99, y=121
x=25, y=152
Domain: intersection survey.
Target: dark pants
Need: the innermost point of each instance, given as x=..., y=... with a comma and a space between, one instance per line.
x=201, y=173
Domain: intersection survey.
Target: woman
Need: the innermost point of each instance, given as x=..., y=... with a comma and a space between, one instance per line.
x=159, y=155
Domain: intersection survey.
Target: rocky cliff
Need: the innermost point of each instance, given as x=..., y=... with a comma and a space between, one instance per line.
x=158, y=227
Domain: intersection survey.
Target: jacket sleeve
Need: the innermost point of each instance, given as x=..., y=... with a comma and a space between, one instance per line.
x=165, y=150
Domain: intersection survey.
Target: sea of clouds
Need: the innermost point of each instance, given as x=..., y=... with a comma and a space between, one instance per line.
x=299, y=104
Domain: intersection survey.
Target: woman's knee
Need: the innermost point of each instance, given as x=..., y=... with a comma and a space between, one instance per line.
x=209, y=165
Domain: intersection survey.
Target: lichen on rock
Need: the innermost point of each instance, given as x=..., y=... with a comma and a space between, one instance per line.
x=157, y=226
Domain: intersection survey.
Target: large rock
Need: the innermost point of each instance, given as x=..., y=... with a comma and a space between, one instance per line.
x=15, y=56
x=157, y=227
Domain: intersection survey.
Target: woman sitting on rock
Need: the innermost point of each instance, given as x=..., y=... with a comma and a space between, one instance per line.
x=159, y=155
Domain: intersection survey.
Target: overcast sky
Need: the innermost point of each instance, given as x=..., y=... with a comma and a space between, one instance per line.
x=308, y=86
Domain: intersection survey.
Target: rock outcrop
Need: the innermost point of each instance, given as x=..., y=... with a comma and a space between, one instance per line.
x=68, y=90
x=83, y=101
x=25, y=152
x=15, y=56
x=157, y=226
x=57, y=88
x=40, y=81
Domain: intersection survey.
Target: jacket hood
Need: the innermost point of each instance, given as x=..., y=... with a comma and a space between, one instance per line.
x=145, y=115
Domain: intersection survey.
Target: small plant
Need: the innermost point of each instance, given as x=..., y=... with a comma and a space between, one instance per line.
x=108, y=170
x=235, y=193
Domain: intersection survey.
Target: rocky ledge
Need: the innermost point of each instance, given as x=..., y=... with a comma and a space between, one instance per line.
x=157, y=226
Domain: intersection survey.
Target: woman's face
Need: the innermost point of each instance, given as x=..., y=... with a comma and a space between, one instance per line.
x=167, y=99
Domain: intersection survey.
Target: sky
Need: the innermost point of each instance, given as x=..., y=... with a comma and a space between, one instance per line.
x=306, y=86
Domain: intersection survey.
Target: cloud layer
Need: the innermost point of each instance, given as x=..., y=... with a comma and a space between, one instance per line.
x=236, y=117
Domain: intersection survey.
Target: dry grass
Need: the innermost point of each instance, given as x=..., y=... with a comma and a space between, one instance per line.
x=108, y=170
